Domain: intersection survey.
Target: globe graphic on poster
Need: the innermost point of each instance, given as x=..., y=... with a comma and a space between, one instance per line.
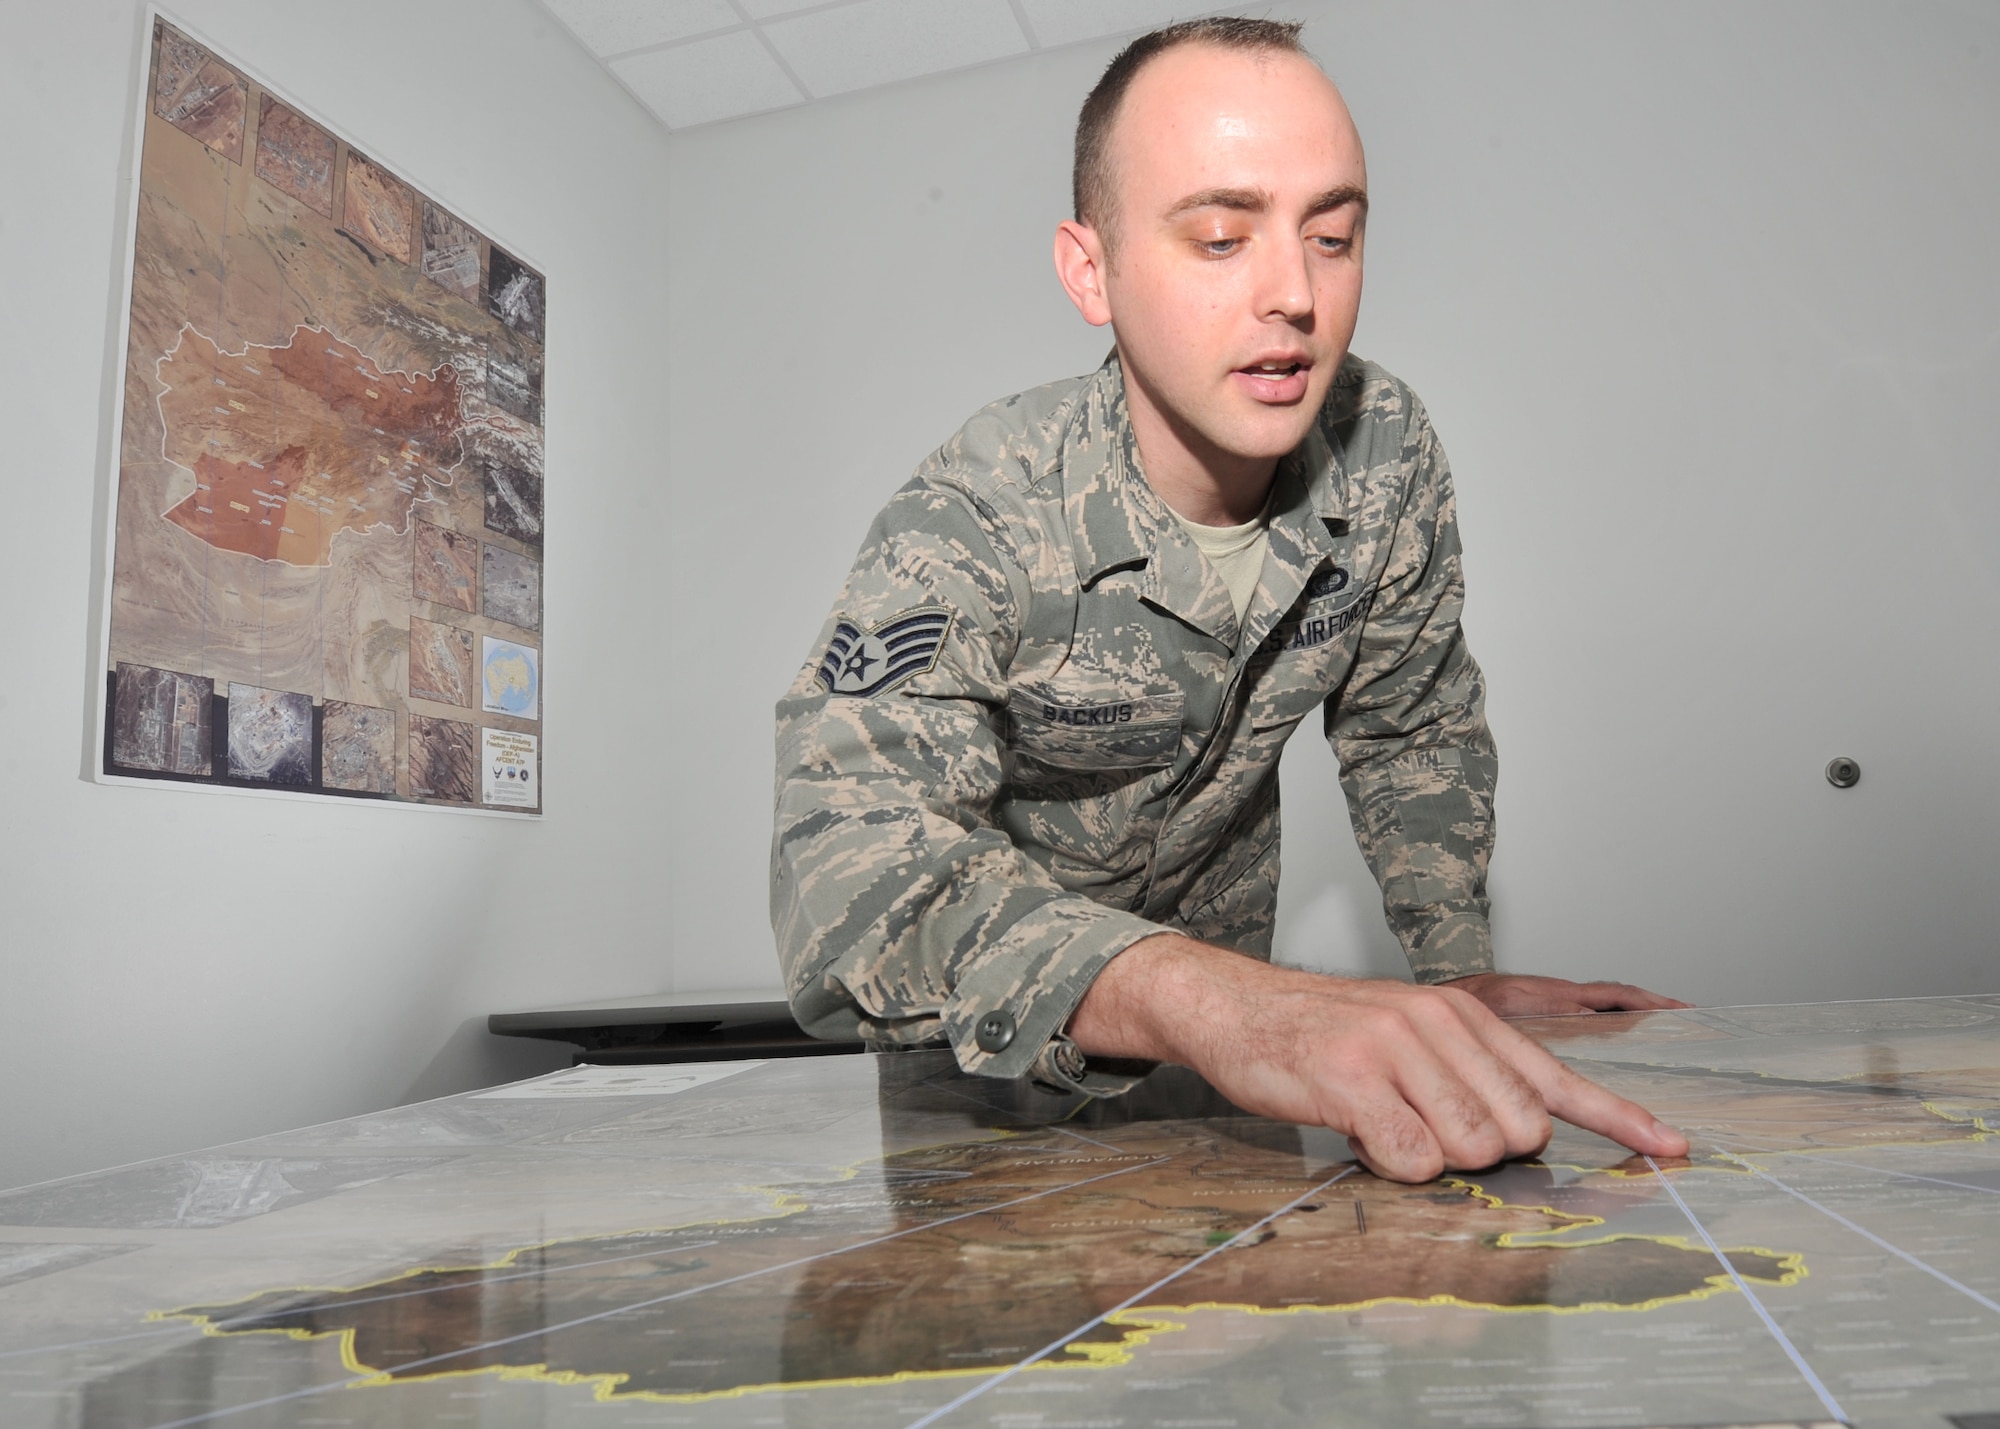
x=510, y=679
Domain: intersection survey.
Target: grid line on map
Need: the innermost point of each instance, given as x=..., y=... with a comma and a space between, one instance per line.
x=93, y=1344
x=1866, y=1234
x=1087, y=1326
x=351, y=1380
x=1091, y=1140
x=1876, y=1170
x=1784, y=1342
x=233, y=1324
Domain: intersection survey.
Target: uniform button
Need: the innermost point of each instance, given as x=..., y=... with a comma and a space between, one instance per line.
x=995, y=1031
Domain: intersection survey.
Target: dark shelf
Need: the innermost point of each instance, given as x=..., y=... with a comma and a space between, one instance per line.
x=684, y=1027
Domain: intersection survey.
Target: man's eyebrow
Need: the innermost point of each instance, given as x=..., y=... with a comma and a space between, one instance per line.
x=1244, y=200
x=1339, y=197
x=1259, y=200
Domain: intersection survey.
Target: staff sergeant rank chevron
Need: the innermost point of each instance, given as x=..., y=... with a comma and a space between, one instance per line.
x=866, y=662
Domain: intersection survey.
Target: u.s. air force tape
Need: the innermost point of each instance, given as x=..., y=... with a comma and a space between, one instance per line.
x=866, y=662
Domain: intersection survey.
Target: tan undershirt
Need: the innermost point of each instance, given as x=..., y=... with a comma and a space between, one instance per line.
x=1236, y=552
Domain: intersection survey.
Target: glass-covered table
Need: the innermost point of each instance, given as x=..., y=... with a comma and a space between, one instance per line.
x=880, y=1240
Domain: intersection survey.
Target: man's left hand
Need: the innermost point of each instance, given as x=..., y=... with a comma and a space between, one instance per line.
x=1510, y=995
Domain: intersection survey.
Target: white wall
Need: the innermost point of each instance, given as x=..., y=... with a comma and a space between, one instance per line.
x=1700, y=296
x=1702, y=299
x=180, y=968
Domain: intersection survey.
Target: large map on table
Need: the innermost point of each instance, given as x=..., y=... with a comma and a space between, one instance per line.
x=326, y=572
x=883, y=1241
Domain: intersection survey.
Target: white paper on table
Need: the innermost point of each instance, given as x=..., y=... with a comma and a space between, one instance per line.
x=647, y=1081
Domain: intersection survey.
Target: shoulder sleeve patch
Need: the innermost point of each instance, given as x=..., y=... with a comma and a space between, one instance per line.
x=866, y=662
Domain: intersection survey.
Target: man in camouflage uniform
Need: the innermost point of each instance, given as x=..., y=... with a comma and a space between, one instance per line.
x=1028, y=782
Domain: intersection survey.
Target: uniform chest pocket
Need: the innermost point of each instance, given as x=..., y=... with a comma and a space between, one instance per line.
x=1059, y=731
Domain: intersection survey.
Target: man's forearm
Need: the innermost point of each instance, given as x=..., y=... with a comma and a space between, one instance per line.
x=1149, y=1000
x=1170, y=998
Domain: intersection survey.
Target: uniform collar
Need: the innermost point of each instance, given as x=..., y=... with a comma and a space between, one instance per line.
x=1117, y=520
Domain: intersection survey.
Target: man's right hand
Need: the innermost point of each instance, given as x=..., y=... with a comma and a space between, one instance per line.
x=1420, y=1080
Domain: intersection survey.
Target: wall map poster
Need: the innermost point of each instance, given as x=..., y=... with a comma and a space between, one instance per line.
x=326, y=566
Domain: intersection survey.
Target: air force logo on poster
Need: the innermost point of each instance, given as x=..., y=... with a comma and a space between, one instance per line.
x=507, y=775
x=867, y=662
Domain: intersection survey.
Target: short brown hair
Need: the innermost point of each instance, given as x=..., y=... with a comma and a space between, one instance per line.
x=1090, y=179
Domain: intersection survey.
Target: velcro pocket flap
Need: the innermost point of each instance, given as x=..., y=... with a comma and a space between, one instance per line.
x=1121, y=732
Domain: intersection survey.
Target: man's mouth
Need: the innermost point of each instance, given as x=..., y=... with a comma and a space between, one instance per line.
x=1277, y=380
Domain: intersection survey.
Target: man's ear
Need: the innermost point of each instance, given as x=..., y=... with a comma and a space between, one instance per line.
x=1080, y=265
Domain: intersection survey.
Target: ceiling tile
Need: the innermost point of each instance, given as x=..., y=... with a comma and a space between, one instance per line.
x=707, y=80
x=1065, y=22
x=880, y=41
x=611, y=27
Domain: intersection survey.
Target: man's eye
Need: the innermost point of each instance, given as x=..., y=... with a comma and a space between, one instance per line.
x=1218, y=247
x=1331, y=243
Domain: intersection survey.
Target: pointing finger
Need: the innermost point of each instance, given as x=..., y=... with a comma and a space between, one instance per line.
x=1581, y=1102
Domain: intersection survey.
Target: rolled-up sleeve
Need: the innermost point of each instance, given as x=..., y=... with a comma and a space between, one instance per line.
x=902, y=914
x=1409, y=727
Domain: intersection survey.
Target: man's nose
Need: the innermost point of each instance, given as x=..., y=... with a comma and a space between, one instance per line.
x=1284, y=286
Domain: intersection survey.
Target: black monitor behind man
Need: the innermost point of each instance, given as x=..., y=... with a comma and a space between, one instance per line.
x=1028, y=780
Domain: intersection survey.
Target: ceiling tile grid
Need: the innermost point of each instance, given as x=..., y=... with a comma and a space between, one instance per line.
x=1071, y=22
x=874, y=42
x=714, y=77
x=616, y=27
x=695, y=62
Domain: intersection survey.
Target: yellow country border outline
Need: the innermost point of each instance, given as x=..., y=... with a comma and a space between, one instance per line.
x=1142, y=1323
x=783, y=1203
x=1792, y=1266
x=1145, y=1320
x=1138, y=1325
x=1137, y=1331
x=1736, y=1163
x=1980, y=1132
x=1712, y=1162
x=1935, y=1106
x=1937, y=1109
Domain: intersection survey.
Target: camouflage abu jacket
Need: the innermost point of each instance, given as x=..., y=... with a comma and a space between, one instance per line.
x=1032, y=732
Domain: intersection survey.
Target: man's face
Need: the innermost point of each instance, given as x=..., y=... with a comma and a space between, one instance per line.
x=1235, y=277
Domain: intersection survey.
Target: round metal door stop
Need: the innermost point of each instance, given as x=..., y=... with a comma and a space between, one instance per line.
x=1843, y=773
x=995, y=1031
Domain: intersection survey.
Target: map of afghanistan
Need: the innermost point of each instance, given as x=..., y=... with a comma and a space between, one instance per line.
x=326, y=573
x=867, y=1241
